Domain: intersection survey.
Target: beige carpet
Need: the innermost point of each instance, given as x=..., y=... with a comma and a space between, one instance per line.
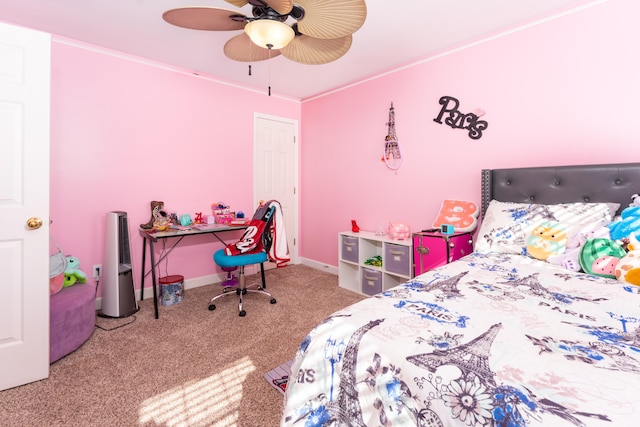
x=191, y=367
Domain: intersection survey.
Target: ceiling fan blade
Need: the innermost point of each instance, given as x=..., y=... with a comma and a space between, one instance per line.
x=281, y=6
x=205, y=18
x=330, y=19
x=312, y=51
x=240, y=48
x=238, y=3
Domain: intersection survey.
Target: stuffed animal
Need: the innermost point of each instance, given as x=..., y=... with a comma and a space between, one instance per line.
x=73, y=274
x=600, y=257
x=629, y=223
x=546, y=240
x=628, y=269
x=635, y=200
x=570, y=259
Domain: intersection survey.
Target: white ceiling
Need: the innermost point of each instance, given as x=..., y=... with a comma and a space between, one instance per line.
x=395, y=33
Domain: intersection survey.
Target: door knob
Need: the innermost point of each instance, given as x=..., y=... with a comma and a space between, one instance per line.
x=34, y=223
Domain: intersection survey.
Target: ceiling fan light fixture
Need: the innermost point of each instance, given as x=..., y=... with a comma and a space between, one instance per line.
x=269, y=33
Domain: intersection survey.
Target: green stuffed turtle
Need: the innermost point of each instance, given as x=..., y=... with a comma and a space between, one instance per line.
x=73, y=274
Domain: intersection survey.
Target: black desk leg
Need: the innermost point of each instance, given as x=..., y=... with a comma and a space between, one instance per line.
x=144, y=258
x=153, y=277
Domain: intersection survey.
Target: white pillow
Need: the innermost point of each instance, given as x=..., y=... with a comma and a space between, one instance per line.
x=505, y=225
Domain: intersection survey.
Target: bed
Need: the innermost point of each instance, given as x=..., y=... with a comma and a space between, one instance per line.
x=496, y=338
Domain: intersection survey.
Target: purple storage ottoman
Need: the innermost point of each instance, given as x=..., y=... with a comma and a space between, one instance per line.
x=72, y=318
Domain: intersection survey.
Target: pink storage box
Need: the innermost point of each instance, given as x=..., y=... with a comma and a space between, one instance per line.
x=398, y=231
x=223, y=216
x=433, y=249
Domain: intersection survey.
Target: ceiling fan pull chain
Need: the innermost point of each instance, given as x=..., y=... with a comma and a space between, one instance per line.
x=269, y=46
x=250, y=52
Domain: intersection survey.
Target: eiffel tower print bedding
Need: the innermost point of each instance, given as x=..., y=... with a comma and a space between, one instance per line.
x=490, y=340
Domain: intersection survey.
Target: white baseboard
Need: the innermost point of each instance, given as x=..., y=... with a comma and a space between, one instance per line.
x=320, y=266
x=194, y=282
x=216, y=278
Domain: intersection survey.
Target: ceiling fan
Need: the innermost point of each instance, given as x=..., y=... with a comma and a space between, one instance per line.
x=307, y=31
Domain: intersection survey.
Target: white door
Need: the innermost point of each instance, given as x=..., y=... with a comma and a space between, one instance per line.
x=276, y=171
x=24, y=194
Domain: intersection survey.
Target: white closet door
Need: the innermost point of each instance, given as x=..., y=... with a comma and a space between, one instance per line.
x=276, y=171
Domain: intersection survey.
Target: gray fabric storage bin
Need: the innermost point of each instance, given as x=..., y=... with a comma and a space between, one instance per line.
x=349, y=248
x=371, y=281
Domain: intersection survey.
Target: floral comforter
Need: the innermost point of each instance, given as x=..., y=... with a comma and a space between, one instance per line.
x=489, y=340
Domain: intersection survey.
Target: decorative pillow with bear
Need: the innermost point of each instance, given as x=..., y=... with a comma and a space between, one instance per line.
x=506, y=226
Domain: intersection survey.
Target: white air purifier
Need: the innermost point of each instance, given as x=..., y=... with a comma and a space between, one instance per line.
x=118, y=294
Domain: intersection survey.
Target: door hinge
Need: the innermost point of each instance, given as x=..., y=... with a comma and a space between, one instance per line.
x=294, y=190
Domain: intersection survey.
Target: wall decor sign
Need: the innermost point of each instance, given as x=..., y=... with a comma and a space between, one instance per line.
x=458, y=120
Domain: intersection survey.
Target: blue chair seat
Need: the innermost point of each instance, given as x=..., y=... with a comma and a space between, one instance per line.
x=263, y=213
x=224, y=260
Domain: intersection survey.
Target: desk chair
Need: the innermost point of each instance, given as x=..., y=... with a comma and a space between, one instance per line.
x=226, y=261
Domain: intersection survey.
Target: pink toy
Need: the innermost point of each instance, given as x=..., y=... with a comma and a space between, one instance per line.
x=398, y=231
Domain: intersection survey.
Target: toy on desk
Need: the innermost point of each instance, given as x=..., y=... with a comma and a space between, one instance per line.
x=156, y=207
x=198, y=219
x=185, y=220
x=73, y=274
x=162, y=221
x=354, y=226
x=459, y=214
x=219, y=205
x=222, y=213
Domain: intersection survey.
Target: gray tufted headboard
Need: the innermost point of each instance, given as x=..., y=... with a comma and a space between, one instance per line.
x=562, y=184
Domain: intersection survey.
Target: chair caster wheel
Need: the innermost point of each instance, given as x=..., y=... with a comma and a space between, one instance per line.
x=273, y=301
x=242, y=313
x=212, y=307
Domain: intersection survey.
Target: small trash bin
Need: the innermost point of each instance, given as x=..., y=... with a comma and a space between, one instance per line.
x=171, y=289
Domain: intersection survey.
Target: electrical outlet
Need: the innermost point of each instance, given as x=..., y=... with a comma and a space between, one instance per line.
x=97, y=271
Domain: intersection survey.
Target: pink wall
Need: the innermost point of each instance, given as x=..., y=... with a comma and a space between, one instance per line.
x=124, y=133
x=565, y=91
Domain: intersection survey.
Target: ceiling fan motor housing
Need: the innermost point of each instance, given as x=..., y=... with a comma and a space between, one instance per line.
x=321, y=31
x=265, y=12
